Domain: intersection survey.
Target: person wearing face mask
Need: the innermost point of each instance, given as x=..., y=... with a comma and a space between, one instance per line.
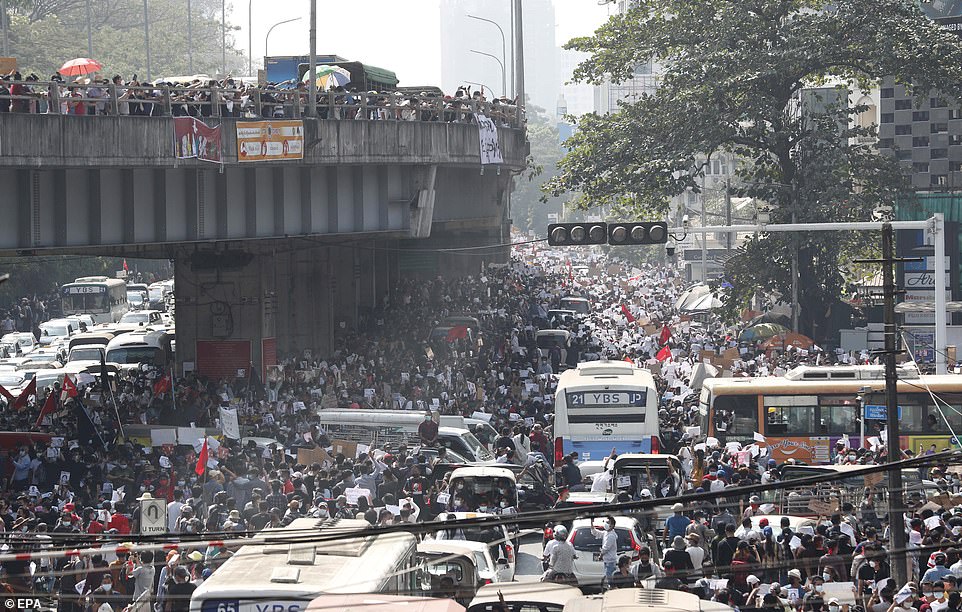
x=936, y=598
x=835, y=606
x=609, y=545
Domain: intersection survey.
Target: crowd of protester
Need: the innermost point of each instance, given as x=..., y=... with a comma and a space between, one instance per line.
x=94, y=95
x=82, y=478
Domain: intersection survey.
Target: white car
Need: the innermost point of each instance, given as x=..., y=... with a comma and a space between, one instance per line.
x=490, y=570
x=142, y=317
x=497, y=537
x=24, y=340
x=585, y=537
x=57, y=329
x=13, y=381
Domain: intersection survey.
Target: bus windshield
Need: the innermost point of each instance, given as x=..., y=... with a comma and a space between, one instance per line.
x=136, y=354
x=85, y=302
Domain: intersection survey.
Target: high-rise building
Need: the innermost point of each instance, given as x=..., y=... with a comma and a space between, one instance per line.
x=462, y=35
x=579, y=98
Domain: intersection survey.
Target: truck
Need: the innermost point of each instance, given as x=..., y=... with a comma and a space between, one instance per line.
x=280, y=68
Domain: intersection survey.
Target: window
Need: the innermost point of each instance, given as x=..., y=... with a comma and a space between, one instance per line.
x=903, y=104
x=920, y=167
x=939, y=180
x=920, y=141
x=887, y=92
x=838, y=418
x=920, y=116
x=795, y=420
x=955, y=166
x=903, y=130
x=940, y=153
x=938, y=128
x=955, y=139
x=736, y=415
x=955, y=113
x=938, y=103
x=888, y=117
x=903, y=155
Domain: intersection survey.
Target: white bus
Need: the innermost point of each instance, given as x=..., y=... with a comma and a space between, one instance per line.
x=274, y=576
x=103, y=298
x=602, y=405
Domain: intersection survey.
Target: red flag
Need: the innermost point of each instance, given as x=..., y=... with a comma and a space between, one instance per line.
x=6, y=394
x=201, y=466
x=457, y=332
x=30, y=389
x=49, y=407
x=125, y=265
x=665, y=335
x=627, y=313
x=162, y=385
x=69, y=389
x=664, y=354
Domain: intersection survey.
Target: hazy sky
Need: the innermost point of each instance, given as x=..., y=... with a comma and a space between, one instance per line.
x=401, y=36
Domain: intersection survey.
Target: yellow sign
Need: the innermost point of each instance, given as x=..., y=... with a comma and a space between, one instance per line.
x=270, y=140
x=8, y=65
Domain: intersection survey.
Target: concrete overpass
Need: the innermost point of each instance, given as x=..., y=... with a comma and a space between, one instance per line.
x=275, y=256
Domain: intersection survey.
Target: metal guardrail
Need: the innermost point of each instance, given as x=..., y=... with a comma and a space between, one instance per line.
x=52, y=97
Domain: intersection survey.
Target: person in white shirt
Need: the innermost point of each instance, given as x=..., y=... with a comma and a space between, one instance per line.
x=696, y=552
x=173, y=511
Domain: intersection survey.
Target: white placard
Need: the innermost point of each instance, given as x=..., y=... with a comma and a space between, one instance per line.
x=160, y=437
x=355, y=493
x=229, y=423
x=153, y=516
x=844, y=591
x=488, y=134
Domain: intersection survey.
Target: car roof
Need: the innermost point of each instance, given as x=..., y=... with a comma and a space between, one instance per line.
x=482, y=471
x=546, y=592
x=452, y=546
x=620, y=521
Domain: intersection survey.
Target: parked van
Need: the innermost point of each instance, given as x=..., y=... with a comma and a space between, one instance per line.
x=392, y=426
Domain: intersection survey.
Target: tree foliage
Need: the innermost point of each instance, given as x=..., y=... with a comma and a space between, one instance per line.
x=737, y=78
x=45, y=33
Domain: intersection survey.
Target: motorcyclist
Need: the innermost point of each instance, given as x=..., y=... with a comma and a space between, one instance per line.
x=561, y=557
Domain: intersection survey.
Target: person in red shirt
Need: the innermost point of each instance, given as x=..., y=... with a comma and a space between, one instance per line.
x=118, y=520
x=94, y=525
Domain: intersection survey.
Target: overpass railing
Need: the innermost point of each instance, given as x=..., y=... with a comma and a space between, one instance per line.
x=52, y=97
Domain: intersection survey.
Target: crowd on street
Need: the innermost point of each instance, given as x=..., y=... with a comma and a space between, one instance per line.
x=84, y=478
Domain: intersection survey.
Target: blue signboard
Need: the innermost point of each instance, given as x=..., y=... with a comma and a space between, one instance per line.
x=878, y=413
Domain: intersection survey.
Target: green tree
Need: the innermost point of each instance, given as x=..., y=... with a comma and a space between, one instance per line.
x=736, y=79
x=45, y=33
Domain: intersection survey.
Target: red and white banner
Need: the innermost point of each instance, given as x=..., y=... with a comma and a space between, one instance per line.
x=194, y=138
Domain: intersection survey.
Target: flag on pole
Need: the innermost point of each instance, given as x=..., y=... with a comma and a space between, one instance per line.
x=627, y=313
x=31, y=389
x=49, y=407
x=201, y=466
x=69, y=389
x=665, y=335
x=162, y=384
x=126, y=269
x=664, y=354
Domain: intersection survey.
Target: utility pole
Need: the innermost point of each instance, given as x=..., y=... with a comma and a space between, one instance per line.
x=3, y=16
x=190, y=41
x=90, y=40
x=895, y=510
x=147, y=38
x=728, y=214
x=223, y=38
x=519, y=57
x=312, y=64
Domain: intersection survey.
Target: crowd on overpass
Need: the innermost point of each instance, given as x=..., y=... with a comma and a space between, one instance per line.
x=87, y=479
x=95, y=95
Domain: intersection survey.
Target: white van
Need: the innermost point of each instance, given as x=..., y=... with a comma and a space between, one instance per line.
x=395, y=426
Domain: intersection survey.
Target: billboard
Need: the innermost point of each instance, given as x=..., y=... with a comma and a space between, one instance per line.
x=270, y=140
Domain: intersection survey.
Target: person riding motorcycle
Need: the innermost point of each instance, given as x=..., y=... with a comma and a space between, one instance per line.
x=560, y=556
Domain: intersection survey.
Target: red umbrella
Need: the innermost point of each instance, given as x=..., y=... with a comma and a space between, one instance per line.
x=80, y=66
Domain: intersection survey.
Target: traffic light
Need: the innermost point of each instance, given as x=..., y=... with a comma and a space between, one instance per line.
x=647, y=232
x=577, y=234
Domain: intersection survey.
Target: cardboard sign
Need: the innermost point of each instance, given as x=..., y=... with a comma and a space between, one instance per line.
x=348, y=449
x=873, y=479
x=307, y=456
x=822, y=508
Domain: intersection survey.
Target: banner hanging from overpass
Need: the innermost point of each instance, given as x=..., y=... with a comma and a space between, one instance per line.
x=270, y=140
x=195, y=139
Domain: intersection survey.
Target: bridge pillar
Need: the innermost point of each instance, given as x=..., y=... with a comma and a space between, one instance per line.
x=243, y=309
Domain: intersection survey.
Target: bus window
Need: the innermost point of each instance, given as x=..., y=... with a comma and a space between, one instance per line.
x=839, y=419
x=736, y=415
x=913, y=418
x=936, y=420
x=790, y=420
